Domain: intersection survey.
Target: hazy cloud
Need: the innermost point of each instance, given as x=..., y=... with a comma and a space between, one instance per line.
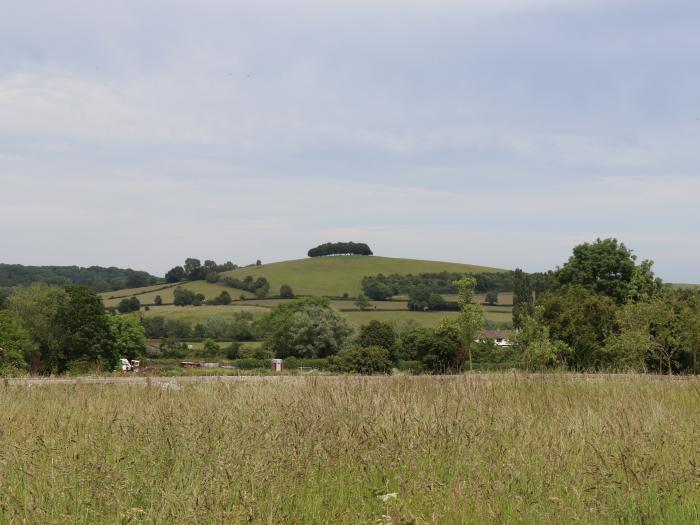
x=499, y=132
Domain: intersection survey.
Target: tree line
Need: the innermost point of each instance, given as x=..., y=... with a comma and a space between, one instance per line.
x=340, y=248
x=53, y=329
x=424, y=290
x=602, y=310
x=96, y=278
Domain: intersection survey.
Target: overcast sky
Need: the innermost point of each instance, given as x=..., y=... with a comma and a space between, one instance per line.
x=498, y=132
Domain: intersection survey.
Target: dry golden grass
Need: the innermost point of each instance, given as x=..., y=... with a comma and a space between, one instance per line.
x=467, y=449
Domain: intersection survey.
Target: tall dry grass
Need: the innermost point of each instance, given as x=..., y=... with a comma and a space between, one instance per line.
x=471, y=449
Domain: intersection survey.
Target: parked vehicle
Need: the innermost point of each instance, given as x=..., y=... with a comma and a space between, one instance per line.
x=128, y=366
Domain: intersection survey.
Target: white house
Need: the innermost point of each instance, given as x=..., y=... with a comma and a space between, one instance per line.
x=499, y=337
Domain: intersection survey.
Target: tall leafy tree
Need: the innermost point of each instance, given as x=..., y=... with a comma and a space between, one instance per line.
x=378, y=334
x=128, y=334
x=14, y=345
x=286, y=292
x=84, y=330
x=175, y=275
x=442, y=349
x=644, y=286
x=471, y=319
x=36, y=309
x=361, y=302
x=604, y=266
x=523, y=302
x=193, y=269
x=582, y=319
x=537, y=350
x=304, y=328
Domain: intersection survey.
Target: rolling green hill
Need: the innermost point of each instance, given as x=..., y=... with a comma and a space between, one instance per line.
x=329, y=276
x=335, y=276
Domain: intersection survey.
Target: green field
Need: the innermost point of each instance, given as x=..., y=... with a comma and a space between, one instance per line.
x=194, y=314
x=148, y=295
x=328, y=276
x=482, y=448
x=334, y=276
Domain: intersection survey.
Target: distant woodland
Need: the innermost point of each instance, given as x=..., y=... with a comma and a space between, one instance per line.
x=96, y=278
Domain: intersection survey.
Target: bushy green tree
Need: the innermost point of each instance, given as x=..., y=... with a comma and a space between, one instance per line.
x=193, y=269
x=364, y=360
x=232, y=350
x=131, y=304
x=223, y=298
x=35, y=308
x=441, y=350
x=14, y=345
x=420, y=298
x=158, y=300
x=210, y=348
x=286, y=292
x=491, y=297
x=536, y=349
x=175, y=275
x=216, y=327
x=409, y=340
x=377, y=334
x=361, y=302
x=261, y=287
x=129, y=336
x=241, y=327
x=377, y=290
x=183, y=296
x=304, y=328
x=582, y=319
x=644, y=286
x=605, y=267
x=84, y=330
x=650, y=335
x=173, y=347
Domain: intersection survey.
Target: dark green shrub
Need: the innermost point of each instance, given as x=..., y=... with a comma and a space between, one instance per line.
x=232, y=350
x=370, y=360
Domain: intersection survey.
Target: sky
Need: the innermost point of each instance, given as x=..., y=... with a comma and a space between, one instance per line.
x=136, y=133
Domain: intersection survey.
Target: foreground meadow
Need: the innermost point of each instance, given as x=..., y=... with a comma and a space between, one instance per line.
x=466, y=449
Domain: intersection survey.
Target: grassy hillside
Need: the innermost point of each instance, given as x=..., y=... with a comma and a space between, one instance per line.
x=338, y=275
x=330, y=276
x=195, y=314
x=148, y=295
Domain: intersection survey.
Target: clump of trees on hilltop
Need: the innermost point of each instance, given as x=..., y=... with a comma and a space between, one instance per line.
x=340, y=248
x=194, y=270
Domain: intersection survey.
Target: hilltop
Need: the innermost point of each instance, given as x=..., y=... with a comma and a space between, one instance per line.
x=335, y=276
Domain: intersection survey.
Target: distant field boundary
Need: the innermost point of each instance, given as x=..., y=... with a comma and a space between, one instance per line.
x=142, y=292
